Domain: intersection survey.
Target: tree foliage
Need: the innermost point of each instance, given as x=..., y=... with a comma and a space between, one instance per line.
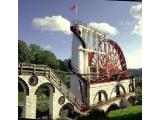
x=34, y=49
x=138, y=92
x=136, y=72
x=63, y=65
x=46, y=58
x=51, y=60
x=139, y=82
x=36, y=55
x=23, y=52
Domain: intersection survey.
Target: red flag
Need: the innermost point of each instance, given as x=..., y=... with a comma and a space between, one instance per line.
x=73, y=7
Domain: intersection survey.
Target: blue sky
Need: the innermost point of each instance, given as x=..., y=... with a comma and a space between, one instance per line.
x=125, y=17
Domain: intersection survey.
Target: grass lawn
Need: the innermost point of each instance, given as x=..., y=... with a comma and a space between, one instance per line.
x=130, y=113
x=20, y=96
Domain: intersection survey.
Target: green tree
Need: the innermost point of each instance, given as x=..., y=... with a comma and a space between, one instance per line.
x=34, y=49
x=23, y=52
x=47, y=58
x=36, y=55
x=63, y=65
x=138, y=82
x=39, y=58
x=51, y=60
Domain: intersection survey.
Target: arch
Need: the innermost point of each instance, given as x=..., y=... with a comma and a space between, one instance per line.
x=22, y=104
x=112, y=107
x=123, y=103
x=132, y=100
x=44, y=107
x=116, y=90
x=99, y=94
x=96, y=113
x=124, y=90
x=131, y=87
x=118, y=86
x=51, y=87
x=67, y=111
x=24, y=85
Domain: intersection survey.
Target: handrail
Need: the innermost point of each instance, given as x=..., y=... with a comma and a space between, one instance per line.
x=65, y=90
x=48, y=72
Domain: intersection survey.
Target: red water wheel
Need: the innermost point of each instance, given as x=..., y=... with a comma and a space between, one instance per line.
x=108, y=58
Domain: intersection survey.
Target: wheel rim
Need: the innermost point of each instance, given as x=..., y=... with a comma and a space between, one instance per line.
x=112, y=62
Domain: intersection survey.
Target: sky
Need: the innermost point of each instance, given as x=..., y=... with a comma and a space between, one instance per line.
x=46, y=23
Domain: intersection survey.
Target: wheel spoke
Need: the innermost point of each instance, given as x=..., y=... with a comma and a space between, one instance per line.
x=112, y=61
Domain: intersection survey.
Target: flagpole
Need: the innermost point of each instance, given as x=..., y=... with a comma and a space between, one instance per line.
x=74, y=7
x=76, y=13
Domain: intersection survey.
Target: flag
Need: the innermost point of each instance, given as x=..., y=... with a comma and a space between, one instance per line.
x=73, y=7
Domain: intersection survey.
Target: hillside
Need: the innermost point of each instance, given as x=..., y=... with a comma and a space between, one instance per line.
x=136, y=72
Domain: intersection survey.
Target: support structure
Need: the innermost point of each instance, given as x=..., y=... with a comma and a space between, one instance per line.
x=30, y=107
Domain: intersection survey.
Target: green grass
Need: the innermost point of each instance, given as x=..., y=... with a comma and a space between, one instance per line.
x=130, y=113
x=20, y=96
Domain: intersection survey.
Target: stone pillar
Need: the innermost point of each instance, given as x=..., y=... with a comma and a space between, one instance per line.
x=51, y=108
x=56, y=111
x=56, y=106
x=30, y=107
x=23, y=107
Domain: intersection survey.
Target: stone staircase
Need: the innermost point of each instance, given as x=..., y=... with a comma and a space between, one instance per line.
x=53, y=78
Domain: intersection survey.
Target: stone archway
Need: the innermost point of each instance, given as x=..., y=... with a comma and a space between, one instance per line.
x=117, y=90
x=120, y=89
x=100, y=96
x=23, y=91
x=112, y=107
x=67, y=111
x=44, y=107
x=132, y=100
x=131, y=87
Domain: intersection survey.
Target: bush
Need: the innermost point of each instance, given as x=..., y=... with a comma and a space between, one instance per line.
x=138, y=92
x=94, y=114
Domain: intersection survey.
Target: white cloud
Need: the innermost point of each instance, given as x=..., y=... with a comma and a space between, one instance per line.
x=136, y=12
x=47, y=47
x=134, y=59
x=138, y=28
x=60, y=24
x=53, y=24
x=104, y=27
